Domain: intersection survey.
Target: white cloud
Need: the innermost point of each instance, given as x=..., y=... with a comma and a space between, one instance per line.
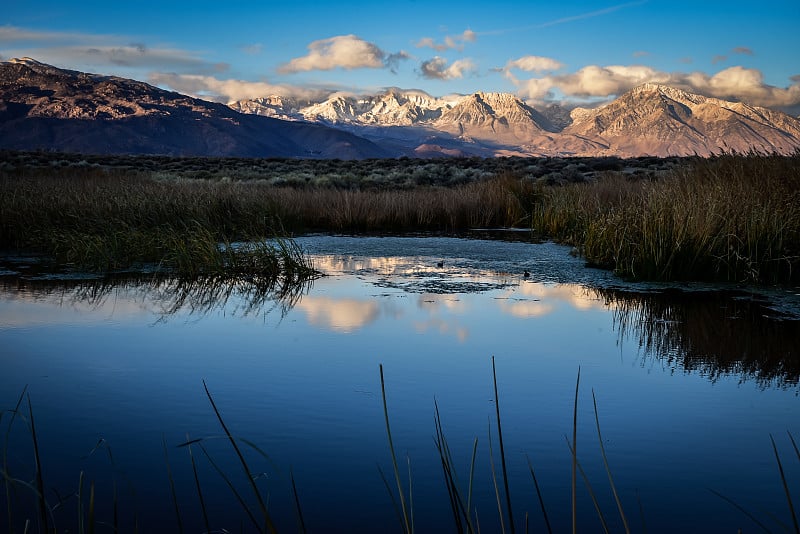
x=591, y=81
x=342, y=51
x=451, y=42
x=534, y=64
x=734, y=83
x=437, y=68
x=211, y=88
x=739, y=83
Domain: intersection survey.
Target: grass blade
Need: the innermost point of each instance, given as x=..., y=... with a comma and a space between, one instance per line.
x=407, y=524
x=39, y=478
x=471, y=476
x=574, y=449
x=80, y=504
x=199, y=490
x=608, y=469
x=267, y=519
x=494, y=481
x=457, y=506
x=539, y=495
x=171, y=488
x=502, y=450
x=230, y=485
x=741, y=509
x=785, y=486
x=297, y=503
x=91, y=508
x=641, y=512
x=794, y=444
x=396, y=507
x=589, y=489
x=6, y=479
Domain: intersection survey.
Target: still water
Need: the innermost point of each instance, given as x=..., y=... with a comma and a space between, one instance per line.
x=690, y=384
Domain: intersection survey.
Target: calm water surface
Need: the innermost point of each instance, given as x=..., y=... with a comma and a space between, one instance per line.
x=690, y=383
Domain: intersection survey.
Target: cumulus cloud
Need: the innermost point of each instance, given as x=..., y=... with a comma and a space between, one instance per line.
x=534, y=64
x=742, y=50
x=734, y=83
x=227, y=91
x=739, y=83
x=592, y=81
x=451, y=42
x=438, y=69
x=342, y=51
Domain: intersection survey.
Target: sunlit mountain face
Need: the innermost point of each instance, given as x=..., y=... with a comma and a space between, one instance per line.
x=44, y=107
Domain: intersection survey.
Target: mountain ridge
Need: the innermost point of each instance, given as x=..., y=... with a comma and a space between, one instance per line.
x=44, y=107
x=650, y=119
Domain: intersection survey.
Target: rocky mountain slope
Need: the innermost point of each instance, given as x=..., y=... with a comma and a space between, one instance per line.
x=648, y=120
x=43, y=107
x=661, y=120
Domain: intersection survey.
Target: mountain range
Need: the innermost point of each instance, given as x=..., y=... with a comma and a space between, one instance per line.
x=44, y=107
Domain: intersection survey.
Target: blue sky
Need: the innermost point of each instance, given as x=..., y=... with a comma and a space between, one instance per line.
x=542, y=51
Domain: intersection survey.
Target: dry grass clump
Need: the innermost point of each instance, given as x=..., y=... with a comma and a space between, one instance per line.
x=114, y=220
x=731, y=217
x=79, y=213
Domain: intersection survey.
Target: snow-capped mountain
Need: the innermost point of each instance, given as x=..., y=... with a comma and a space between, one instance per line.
x=650, y=119
x=662, y=120
x=44, y=107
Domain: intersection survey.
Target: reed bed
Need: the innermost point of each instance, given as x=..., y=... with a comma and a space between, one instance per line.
x=733, y=217
x=112, y=218
x=110, y=221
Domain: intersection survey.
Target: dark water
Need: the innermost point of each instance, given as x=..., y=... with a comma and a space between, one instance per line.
x=690, y=383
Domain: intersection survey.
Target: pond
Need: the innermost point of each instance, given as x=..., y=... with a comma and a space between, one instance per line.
x=690, y=383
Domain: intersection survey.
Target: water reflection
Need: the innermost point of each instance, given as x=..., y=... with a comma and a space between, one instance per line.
x=164, y=296
x=714, y=333
x=305, y=391
x=341, y=315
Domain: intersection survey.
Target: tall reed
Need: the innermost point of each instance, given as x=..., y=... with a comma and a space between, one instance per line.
x=733, y=217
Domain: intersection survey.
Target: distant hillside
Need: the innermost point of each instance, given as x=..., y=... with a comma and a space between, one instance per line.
x=43, y=107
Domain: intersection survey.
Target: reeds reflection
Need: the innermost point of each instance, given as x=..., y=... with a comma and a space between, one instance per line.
x=165, y=295
x=715, y=333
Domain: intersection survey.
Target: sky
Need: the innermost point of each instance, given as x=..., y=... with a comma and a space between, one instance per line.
x=576, y=53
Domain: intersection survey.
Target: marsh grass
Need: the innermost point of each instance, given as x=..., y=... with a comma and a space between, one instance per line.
x=732, y=217
x=112, y=221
